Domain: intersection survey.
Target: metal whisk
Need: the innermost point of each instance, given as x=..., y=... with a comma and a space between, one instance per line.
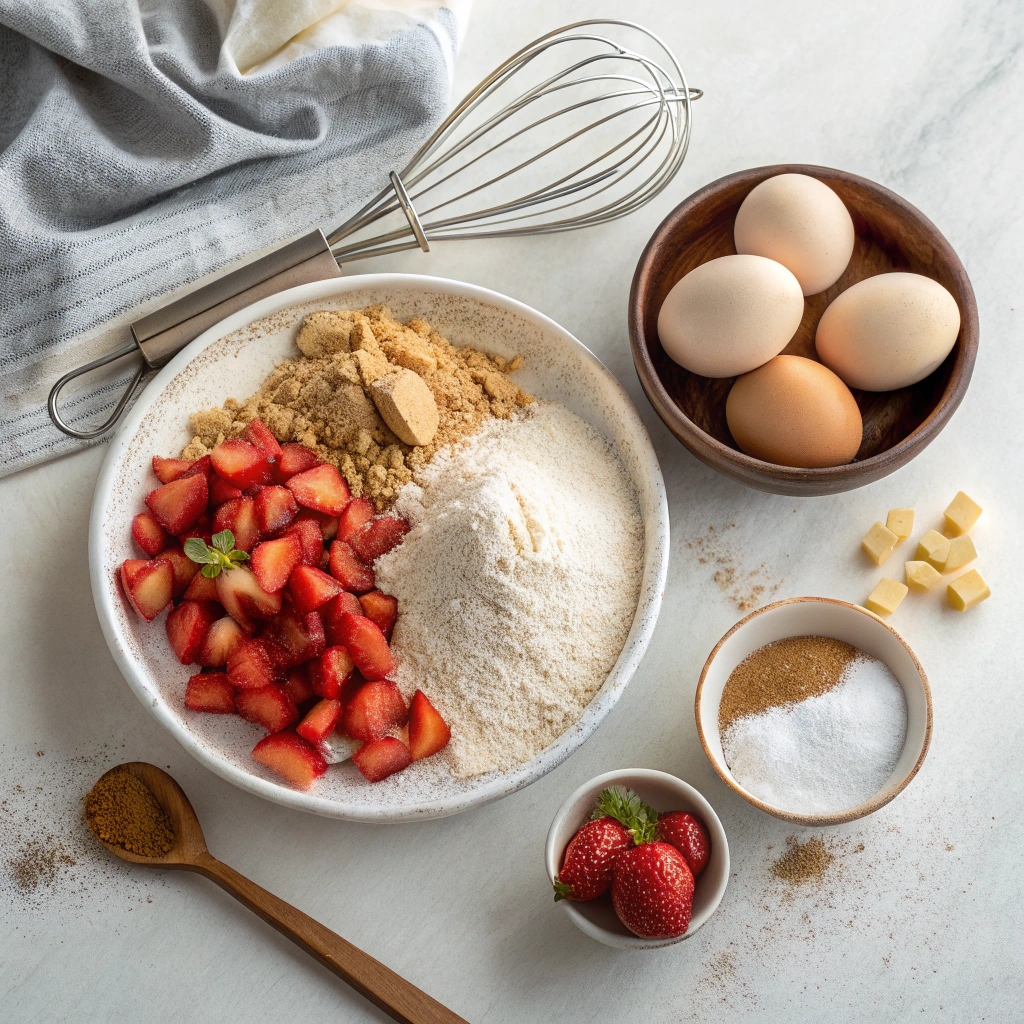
x=574, y=130
x=596, y=136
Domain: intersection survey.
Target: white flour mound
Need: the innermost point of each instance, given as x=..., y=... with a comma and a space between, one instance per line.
x=517, y=584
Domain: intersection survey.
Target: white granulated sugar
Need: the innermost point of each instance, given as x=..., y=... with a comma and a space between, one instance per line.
x=827, y=753
x=517, y=584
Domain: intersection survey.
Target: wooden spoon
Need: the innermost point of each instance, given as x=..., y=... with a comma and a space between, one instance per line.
x=397, y=997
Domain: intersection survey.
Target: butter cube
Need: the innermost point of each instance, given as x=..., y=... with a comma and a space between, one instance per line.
x=878, y=542
x=933, y=548
x=968, y=590
x=900, y=521
x=961, y=551
x=921, y=575
x=961, y=515
x=886, y=597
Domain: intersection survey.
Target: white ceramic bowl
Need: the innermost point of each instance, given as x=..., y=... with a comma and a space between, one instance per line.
x=818, y=616
x=664, y=793
x=231, y=360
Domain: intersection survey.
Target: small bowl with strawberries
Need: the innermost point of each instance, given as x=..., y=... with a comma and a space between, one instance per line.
x=638, y=859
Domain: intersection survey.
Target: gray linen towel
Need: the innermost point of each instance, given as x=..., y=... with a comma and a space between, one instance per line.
x=135, y=156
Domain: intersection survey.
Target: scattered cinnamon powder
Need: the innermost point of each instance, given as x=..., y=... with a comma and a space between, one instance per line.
x=39, y=862
x=784, y=672
x=802, y=862
x=121, y=810
x=323, y=399
x=746, y=588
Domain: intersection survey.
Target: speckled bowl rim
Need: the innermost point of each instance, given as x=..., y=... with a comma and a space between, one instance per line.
x=860, y=810
x=498, y=784
x=625, y=777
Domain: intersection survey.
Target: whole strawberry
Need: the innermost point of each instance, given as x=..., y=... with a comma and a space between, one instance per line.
x=590, y=860
x=652, y=891
x=689, y=836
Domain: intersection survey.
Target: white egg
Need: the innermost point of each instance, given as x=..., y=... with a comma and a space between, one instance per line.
x=888, y=331
x=730, y=315
x=802, y=224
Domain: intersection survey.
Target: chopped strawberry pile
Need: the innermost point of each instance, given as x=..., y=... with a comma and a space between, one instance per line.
x=646, y=862
x=264, y=563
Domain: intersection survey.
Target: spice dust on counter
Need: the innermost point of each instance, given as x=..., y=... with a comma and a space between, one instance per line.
x=51, y=867
x=122, y=811
x=747, y=589
x=803, y=862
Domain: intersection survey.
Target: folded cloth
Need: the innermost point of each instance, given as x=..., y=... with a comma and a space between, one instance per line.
x=146, y=143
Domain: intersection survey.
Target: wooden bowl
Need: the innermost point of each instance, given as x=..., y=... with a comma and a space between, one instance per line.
x=890, y=235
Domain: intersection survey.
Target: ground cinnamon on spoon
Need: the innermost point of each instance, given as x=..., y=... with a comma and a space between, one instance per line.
x=121, y=810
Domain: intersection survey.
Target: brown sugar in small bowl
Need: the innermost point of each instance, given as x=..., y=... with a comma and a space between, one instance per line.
x=890, y=235
x=817, y=616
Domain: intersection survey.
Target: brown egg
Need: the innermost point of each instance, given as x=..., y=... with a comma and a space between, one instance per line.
x=794, y=412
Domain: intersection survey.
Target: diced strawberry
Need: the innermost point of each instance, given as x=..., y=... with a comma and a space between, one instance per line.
x=349, y=570
x=249, y=666
x=202, y=465
x=380, y=608
x=274, y=560
x=380, y=758
x=210, y=692
x=150, y=536
x=239, y=516
x=332, y=612
x=366, y=644
x=321, y=489
x=223, y=636
x=298, y=638
x=290, y=756
x=295, y=458
x=256, y=433
x=299, y=688
x=428, y=731
x=221, y=490
x=202, y=588
x=330, y=672
x=378, y=537
x=241, y=464
x=320, y=721
x=167, y=470
x=202, y=528
x=271, y=706
x=374, y=711
x=328, y=524
x=180, y=503
x=311, y=539
x=147, y=585
x=310, y=588
x=187, y=627
x=275, y=509
x=244, y=599
x=358, y=512
x=184, y=569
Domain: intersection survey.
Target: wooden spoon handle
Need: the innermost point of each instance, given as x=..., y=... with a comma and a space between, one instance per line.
x=397, y=997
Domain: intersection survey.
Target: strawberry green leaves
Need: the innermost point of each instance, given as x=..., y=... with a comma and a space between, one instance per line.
x=639, y=819
x=221, y=554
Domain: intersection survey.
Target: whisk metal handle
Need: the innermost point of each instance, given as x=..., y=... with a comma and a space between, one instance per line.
x=90, y=435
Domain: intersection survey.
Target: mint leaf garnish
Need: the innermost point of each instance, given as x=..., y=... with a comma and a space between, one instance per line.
x=221, y=556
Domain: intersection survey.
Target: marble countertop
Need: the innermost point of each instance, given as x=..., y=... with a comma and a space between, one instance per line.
x=910, y=921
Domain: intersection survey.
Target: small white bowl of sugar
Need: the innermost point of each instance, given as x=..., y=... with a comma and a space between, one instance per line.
x=814, y=710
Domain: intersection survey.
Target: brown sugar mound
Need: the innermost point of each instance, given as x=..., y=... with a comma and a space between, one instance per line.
x=783, y=672
x=121, y=810
x=322, y=399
